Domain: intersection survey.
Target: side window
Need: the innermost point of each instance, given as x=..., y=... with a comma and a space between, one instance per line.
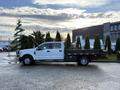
x=49, y=46
x=45, y=46
x=57, y=45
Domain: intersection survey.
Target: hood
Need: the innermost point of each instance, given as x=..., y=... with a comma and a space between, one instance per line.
x=25, y=51
x=31, y=49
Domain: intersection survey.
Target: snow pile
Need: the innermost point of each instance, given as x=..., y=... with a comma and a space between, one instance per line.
x=7, y=58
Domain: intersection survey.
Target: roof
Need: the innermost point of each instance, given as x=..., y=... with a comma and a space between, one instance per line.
x=4, y=43
x=85, y=28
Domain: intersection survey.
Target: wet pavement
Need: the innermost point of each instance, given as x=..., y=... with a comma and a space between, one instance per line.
x=95, y=76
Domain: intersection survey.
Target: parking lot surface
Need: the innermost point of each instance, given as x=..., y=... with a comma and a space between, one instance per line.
x=58, y=76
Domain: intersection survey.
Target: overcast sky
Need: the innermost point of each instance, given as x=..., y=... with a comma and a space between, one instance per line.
x=53, y=15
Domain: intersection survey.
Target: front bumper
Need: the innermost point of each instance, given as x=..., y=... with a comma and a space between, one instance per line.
x=19, y=59
x=18, y=56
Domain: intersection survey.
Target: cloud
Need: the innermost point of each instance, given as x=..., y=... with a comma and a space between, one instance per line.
x=59, y=15
x=50, y=14
x=53, y=15
x=56, y=15
x=37, y=11
x=81, y=3
x=64, y=20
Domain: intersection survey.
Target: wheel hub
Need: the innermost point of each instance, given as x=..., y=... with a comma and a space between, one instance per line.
x=83, y=61
x=27, y=61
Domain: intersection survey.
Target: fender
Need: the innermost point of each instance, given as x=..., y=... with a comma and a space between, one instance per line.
x=26, y=55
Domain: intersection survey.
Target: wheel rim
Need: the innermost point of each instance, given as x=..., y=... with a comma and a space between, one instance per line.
x=84, y=61
x=27, y=61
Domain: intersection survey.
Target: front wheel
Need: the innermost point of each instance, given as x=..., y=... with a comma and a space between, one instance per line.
x=27, y=61
x=84, y=61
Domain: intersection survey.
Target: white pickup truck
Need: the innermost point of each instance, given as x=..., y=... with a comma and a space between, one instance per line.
x=55, y=51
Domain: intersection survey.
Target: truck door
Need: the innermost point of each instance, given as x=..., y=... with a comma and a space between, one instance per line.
x=43, y=52
x=50, y=51
x=58, y=51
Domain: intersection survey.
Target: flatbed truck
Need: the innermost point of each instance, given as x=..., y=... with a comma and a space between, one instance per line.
x=55, y=51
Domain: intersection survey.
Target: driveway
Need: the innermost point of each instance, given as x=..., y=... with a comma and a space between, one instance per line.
x=58, y=76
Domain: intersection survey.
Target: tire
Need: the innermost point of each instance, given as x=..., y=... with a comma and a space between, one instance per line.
x=83, y=61
x=27, y=60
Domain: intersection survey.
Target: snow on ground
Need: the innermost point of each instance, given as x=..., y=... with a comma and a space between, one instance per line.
x=7, y=58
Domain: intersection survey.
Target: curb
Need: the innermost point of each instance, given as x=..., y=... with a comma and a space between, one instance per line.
x=107, y=61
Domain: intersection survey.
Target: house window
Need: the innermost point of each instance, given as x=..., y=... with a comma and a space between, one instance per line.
x=115, y=27
x=114, y=37
x=119, y=27
x=118, y=34
x=111, y=28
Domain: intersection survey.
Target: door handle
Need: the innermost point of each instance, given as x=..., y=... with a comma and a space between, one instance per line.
x=60, y=50
x=48, y=51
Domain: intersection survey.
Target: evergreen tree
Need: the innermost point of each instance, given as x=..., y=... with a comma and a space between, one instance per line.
x=27, y=42
x=108, y=45
x=16, y=43
x=58, y=37
x=48, y=37
x=87, y=43
x=24, y=42
x=68, y=42
x=117, y=47
x=38, y=37
x=97, y=44
x=31, y=41
x=78, y=43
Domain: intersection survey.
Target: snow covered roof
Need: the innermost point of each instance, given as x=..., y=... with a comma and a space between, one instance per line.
x=4, y=43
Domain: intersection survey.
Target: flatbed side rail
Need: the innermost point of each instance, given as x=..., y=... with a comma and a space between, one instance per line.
x=84, y=52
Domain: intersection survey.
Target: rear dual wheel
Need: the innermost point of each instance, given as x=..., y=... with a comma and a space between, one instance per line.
x=83, y=61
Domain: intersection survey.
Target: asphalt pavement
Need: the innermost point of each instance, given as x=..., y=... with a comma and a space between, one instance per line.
x=58, y=76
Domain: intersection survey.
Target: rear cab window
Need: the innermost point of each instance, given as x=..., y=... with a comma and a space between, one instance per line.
x=56, y=45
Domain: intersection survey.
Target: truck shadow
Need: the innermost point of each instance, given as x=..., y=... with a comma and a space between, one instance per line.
x=92, y=70
x=51, y=70
x=57, y=65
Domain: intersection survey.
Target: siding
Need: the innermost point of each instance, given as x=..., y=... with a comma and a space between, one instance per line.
x=88, y=31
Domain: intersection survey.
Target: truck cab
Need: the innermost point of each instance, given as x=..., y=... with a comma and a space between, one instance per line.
x=50, y=51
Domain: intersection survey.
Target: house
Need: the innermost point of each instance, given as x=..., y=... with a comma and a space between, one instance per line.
x=111, y=29
x=4, y=45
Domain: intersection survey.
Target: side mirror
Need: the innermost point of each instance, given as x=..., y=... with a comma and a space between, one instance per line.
x=44, y=48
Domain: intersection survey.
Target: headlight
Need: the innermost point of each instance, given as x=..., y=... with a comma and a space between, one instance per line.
x=18, y=53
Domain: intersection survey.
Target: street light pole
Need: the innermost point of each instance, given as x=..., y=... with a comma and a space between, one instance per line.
x=9, y=47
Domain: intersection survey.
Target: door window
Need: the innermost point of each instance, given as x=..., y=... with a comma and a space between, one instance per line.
x=45, y=46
